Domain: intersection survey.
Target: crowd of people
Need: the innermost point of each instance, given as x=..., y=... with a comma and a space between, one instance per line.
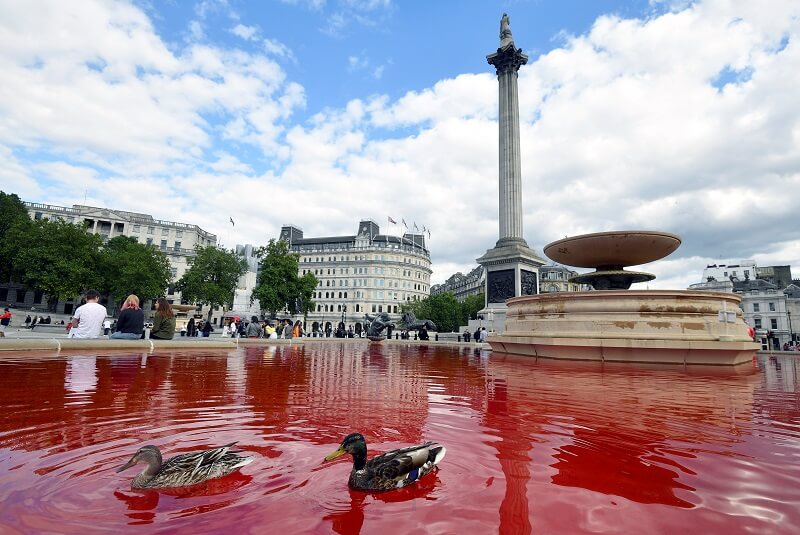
x=479, y=336
x=91, y=320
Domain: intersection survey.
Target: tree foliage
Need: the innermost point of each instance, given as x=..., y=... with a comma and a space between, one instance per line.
x=212, y=278
x=470, y=307
x=14, y=225
x=129, y=267
x=445, y=310
x=59, y=258
x=279, y=285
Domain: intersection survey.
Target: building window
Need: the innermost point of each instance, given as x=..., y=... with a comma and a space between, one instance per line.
x=136, y=228
x=757, y=323
x=151, y=230
x=163, y=244
x=179, y=234
x=164, y=231
x=772, y=307
x=149, y=241
x=756, y=307
x=773, y=323
x=177, y=246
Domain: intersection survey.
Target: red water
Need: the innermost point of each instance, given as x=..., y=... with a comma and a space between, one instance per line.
x=532, y=446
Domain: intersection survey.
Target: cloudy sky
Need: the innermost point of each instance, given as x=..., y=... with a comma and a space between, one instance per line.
x=675, y=116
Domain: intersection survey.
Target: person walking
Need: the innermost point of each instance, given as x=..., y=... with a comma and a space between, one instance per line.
x=5, y=321
x=163, y=321
x=254, y=329
x=130, y=323
x=297, y=330
x=88, y=319
x=27, y=320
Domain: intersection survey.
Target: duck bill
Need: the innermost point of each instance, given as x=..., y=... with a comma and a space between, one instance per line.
x=126, y=466
x=338, y=453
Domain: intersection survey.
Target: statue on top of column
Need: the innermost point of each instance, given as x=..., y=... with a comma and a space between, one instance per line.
x=505, y=31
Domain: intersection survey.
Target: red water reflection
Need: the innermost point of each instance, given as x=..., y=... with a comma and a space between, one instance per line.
x=533, y=446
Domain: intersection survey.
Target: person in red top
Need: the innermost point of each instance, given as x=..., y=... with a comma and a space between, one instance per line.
x=5, y=321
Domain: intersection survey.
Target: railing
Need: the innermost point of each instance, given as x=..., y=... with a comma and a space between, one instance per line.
x=51, y=208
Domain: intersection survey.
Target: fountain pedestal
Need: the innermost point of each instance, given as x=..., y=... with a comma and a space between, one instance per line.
x=619, y=325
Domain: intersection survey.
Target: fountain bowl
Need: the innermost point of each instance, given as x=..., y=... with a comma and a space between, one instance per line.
x=613, y=249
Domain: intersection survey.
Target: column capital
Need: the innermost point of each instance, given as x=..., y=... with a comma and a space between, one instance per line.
x=507, y=59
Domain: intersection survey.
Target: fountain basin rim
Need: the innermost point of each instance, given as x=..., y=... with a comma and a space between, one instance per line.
x=606, y=294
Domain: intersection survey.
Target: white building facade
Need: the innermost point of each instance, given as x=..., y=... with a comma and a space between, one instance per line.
x=367, y=273
x=176, y=240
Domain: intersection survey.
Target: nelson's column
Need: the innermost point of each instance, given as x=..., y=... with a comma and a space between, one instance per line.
x=512, y=268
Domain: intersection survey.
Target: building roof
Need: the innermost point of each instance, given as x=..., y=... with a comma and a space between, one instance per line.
x=749, y=285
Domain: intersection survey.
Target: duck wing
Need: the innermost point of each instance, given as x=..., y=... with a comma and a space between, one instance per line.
x=198, y=466
x=401, y=467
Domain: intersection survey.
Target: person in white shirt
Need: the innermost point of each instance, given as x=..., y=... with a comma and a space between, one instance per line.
x=88, y=319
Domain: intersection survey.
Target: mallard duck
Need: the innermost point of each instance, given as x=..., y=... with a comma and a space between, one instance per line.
x=391, y=470
x=185, y=469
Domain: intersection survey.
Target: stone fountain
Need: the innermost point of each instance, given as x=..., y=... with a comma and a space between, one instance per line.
x=614, y=323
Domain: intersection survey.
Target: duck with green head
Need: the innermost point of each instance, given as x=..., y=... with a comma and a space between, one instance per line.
x=185, y=469
x=391, y=470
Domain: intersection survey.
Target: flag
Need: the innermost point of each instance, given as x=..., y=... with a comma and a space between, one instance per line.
x=404, y=222
x=232, y=223
x=392, y=221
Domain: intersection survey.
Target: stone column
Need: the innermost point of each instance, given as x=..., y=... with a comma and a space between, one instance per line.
x=511, y=266
x=507, y=61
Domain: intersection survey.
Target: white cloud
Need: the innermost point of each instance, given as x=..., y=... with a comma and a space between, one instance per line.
x=247, y=33
x=314, y=5
x=276, y=48
x=626, y=126
x=355, y=63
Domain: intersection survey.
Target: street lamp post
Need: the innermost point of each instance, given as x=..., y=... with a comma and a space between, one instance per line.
x=791, y=335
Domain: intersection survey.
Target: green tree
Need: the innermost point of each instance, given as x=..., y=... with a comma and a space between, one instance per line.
x=15, y=225
x=443, y=309
x=212, y=278
x=470, y=307
x=59, y=258
x=279, y=286
x=129, y=267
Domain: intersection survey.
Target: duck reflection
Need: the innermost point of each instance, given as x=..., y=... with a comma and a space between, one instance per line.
x=349, y=521
x=142, y=504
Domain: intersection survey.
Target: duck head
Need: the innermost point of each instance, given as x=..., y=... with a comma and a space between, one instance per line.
x=355, y=445
x=146, y=454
